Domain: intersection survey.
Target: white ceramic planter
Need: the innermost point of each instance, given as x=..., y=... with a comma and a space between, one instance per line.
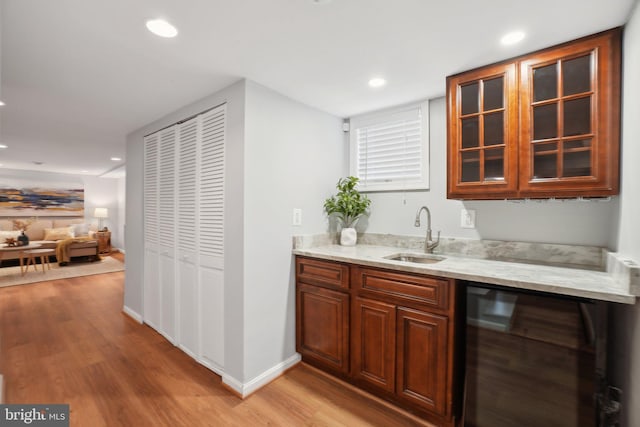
x=348, y=236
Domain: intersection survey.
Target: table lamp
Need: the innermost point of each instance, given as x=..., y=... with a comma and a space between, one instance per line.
x=101, y=214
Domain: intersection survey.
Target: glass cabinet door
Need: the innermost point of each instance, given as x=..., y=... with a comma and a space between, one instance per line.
x=562, y=125
x=569, y=109
x=482, y=133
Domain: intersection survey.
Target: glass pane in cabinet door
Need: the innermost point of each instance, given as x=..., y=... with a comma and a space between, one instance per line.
x=470, y=166
x=577, y=158
x=545, y=166
x=577, y=116
x=546, y=148
x=545, y=82
x=493, y=94
x=470, y=132
x=493, y=129
x=494, y=164
x=545, y=121
x=576, y=75
x=577, y=144
x=470, y=98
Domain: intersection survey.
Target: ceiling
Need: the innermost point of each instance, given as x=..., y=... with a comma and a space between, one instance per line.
x=78, y=75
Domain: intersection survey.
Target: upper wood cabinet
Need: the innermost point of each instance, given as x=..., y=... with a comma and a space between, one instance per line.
x=541, y=125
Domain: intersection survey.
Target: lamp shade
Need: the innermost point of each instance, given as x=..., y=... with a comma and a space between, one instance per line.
x=101, y=213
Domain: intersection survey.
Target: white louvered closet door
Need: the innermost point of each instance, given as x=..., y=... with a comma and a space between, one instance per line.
x=187, y=237
x=151, y=289
x=211, y=233
x=167, y=232
x=184, y=235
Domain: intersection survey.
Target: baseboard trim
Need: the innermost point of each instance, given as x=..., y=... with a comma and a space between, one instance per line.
x=134, y=315
x=243, y=390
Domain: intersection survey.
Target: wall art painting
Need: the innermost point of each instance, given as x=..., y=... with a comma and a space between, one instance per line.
x=28, y=198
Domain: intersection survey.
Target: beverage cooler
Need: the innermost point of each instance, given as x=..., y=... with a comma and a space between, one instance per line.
x=533, y=359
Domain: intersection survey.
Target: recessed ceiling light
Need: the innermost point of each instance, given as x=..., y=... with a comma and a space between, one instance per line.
x=116, y=159
x=2, y=146
x=84, y=171
x=161, y=28
x=37, y=163
x=377, y=82
x=2, y=104
x=320, y=1
x=512, y=37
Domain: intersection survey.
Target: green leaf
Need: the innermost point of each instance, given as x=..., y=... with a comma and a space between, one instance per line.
x=348, y=204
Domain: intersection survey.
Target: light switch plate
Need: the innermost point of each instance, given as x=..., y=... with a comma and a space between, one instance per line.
x=297, y=216
x=468, y=218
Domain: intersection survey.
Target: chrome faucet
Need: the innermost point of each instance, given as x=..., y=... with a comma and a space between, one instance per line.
x=429, y=245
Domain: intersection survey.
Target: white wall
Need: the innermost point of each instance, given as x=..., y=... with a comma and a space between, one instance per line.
x=625, y=337
x=102, y=193
x=294, y=156
x=569, y=222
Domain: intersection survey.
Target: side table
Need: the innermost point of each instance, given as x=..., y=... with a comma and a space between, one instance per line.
x=104, y=241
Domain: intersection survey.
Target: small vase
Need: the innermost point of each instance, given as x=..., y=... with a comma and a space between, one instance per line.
x=348, y=236
x=23, y=239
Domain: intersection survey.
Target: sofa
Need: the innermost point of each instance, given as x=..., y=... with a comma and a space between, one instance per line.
x=48, y=232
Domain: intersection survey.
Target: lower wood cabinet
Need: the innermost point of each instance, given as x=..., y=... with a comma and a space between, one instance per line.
x=374, y=343
x=323, y=327
x=422, y=359
x=390, y=333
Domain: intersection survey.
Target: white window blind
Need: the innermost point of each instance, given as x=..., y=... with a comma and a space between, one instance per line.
x=389, y=150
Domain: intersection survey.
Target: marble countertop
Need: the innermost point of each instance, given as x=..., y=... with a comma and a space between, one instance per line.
x=575, y=282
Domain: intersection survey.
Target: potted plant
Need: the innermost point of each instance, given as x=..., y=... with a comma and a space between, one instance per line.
x=348, y=205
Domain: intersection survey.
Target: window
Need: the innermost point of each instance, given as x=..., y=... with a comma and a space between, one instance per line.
x=390, y=149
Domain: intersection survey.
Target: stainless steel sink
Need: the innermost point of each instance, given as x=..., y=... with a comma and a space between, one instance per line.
x=416, y=258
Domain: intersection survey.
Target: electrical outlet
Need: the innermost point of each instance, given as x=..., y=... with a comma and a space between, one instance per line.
x=468, y=218
x=297, y=216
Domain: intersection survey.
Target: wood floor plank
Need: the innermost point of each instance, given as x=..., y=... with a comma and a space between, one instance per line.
x=67, y=341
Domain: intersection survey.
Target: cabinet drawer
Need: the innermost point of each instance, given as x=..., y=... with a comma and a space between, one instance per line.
x=322, y=273
x=419, y=289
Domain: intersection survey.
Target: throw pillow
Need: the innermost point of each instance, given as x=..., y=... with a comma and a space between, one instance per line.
x=81, y=229
x=58, y=233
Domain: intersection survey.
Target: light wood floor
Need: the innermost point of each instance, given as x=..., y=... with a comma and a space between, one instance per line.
x=67, y=341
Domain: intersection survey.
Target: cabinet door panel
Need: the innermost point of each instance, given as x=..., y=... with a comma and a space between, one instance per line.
x=422, y=359
x=168, y=300
x=482, y=120
x=323, y=326
x=373, y=343
x=581, y=116
x=211, y=305
x=187, y=290
x=151, y=309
